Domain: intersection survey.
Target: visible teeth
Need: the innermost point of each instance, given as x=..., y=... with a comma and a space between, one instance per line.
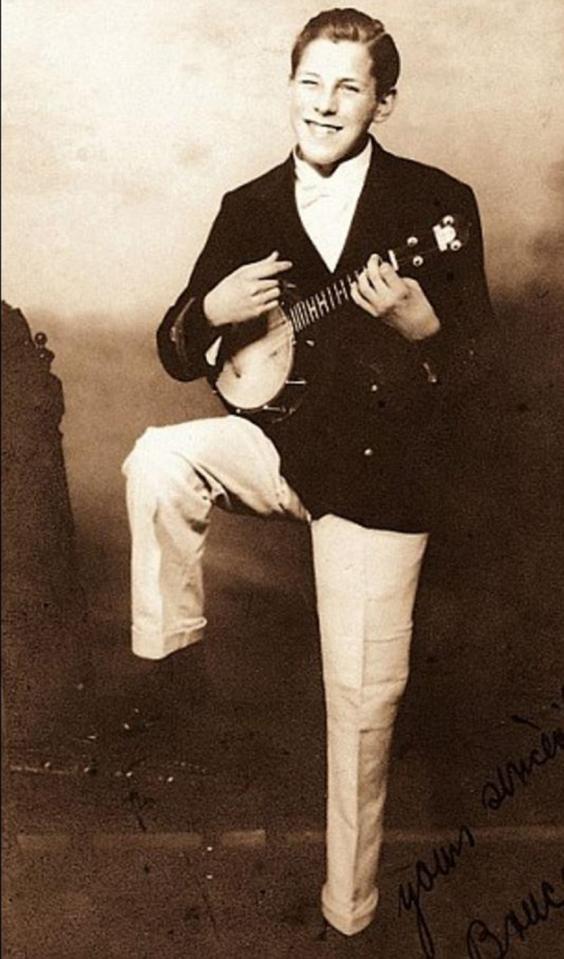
x=320, y=130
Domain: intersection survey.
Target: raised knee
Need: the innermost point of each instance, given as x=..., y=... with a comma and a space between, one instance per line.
x=147, y=453
x=159, y=470
x=154, y=459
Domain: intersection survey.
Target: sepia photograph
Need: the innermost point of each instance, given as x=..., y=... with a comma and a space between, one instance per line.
x=282, y=475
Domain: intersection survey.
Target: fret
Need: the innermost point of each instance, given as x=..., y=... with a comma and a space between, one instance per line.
x=312, y=307
x=340, y=291
x=322, y=304
x=307, y=311
x=307, y=320
x=300, y=318
x=304, y=315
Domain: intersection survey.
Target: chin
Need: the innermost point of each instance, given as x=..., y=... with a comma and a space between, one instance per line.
x=321, y=156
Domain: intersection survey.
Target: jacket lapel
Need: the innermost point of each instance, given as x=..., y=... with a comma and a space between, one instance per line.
x=282, y=220
x=372, y=229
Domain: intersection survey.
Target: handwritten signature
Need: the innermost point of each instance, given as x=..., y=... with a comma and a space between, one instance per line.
x=531, y=911
x=444, y=861
x=501, y=787
x=514, y=772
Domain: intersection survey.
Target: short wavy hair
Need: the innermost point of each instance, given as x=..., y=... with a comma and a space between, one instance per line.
x=350, y=24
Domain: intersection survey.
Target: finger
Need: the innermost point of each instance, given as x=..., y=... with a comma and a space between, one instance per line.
x=263, y=286
x=265, y=296
x=361, y=300
x=377, y=295
x=268, y=267
x=278, y=266
x=394, y=282
x=374, y=276
x=266, y=307
x=265, y=260
x=259, y=265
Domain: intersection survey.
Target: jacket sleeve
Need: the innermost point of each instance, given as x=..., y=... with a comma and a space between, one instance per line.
x=184, y=335
x=462, y=353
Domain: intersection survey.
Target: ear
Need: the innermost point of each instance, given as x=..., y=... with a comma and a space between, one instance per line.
x=385, y=107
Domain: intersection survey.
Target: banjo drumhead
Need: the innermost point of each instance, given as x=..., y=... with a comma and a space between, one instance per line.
x=255, y=368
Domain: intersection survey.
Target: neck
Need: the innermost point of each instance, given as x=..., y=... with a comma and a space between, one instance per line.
x=326, y=170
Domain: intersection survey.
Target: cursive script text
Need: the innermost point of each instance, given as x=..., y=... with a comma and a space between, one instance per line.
x=532, y=910
x=518, y=772
x=444, y=861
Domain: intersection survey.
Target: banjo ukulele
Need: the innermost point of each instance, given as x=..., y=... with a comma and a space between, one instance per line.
x=262, y=367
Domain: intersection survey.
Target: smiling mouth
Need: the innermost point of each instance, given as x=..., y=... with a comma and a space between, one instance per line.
x=326, y=128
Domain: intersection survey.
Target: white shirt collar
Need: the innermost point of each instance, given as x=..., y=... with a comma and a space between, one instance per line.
x=348, y=177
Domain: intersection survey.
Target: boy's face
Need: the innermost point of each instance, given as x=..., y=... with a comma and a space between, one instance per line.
x=333, y=102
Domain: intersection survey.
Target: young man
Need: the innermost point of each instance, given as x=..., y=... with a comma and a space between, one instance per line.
x=356, y=459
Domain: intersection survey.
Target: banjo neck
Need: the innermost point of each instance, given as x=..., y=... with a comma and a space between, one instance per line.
x=450, y=234
x=257, y=371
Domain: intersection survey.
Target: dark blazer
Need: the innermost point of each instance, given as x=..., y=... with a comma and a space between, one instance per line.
x=368, y=441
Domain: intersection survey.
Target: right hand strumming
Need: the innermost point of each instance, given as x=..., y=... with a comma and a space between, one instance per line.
x=247, y=293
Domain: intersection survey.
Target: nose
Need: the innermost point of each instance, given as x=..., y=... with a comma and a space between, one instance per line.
x=325, y=101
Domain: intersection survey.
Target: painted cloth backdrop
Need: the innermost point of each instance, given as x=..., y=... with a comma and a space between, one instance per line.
x=125, y=122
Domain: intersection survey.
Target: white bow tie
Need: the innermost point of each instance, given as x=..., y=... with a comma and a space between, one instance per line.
x=310, y=191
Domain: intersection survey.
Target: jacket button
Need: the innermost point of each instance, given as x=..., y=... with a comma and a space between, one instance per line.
x=369, y=451
x=374, y=388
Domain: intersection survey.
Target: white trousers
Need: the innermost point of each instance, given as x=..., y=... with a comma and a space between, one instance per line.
x=366, y=581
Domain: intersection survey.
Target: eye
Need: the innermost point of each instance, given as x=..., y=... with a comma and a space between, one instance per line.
x=351, y=88
x=308, y=82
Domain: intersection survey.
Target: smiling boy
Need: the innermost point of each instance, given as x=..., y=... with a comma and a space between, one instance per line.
x=357, y=460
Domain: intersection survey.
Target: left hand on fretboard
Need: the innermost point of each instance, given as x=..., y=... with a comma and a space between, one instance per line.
x=397, y=301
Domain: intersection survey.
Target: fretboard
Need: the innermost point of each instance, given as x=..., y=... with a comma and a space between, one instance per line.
x=313, y=308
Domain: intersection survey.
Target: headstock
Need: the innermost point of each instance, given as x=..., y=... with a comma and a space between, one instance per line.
x=451, y=233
